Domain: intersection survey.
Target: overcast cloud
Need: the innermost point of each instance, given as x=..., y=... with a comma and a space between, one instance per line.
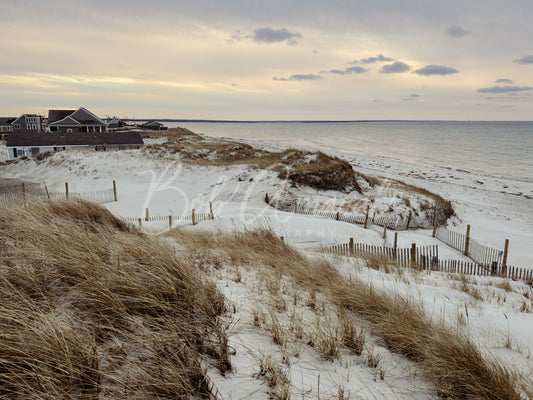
x=271, y=35
x=379, y=57
x=525, y=60
x=300, y=77
x=394, y=68
x=504, y=89
x=433, y=69
x=457, y=32
x=217, y=60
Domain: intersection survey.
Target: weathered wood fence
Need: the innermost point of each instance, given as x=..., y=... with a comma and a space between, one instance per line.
x=391, y=222
x=193, y=217
x=476, y=251
x=427, y=258
x=22, y=198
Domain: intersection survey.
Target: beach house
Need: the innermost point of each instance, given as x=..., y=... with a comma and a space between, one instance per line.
x=72, y=121
x=28, y=144
x=5, y=127
x=28, y=123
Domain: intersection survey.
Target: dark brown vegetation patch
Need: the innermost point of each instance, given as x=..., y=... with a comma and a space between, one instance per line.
x=313, y=169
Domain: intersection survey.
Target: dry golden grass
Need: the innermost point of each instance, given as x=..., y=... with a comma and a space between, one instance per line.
x=451, y=361
x=91, y=308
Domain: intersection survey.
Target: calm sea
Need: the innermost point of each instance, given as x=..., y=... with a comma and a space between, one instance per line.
x=499, y=149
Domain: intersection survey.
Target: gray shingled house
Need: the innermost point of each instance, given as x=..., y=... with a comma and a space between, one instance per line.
x=5, y=127
x=72, y=121
x=28, y=144
x=31, y=123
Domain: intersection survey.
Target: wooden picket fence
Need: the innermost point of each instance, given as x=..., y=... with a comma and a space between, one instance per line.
x=427, y=258
x=391, y=222
x=22, y=199
x=476, y=251
x=193, y=217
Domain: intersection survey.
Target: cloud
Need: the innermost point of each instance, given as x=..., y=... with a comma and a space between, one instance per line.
x=504, y=80
x=347, y=71
x=457, y=32
x=271, y=35
x=371, y=60
x=355, y=70
x=411, y=97
x=435, y=70
x=504, y=89
x=299, y=77
x=394, y=68
x=524, y=60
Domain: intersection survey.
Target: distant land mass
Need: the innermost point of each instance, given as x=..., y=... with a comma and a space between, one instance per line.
x=221, y=121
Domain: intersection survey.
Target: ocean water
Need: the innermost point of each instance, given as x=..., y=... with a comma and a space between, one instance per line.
x=497, y=149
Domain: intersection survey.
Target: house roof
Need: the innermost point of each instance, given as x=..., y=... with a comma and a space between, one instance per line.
x=57, y=115
x=81, y=116
x=23, y=116
x=74, y=139
x=153, y=123
x=67, y=121
x=6, y=121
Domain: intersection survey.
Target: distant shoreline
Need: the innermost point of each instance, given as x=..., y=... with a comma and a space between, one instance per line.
x=222, y=121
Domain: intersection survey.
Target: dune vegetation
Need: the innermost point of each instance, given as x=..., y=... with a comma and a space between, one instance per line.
x=93, y=308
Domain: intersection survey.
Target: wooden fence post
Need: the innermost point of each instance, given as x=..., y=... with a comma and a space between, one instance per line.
x=366, y=217
x=436, y=224
x=505, y=253
x=140, y=223
x=413, y=253
x=115, y=190
x=282, y=238
x=351, y=246
x=193, y=217
x=385, y=231
x=47, y=193
x=467, y=239
x=494, y=268
x=147, y=216
x=24, y=194
x=66, y=190
x=211, y=210
x=395, y=243
x=408, y=221
x=170, y=222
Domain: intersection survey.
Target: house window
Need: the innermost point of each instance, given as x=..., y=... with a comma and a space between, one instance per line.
x=34, y=126
x=20, y=152
x=34, y=150
x=69, y=130
x=17, y=126
x=28, y=126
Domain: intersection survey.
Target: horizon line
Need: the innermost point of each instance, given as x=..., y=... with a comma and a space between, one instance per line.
x=311, y=121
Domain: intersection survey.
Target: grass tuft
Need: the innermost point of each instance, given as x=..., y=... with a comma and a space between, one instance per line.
x=92, y=308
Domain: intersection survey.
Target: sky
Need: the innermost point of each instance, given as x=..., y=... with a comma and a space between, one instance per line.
x=269, y=60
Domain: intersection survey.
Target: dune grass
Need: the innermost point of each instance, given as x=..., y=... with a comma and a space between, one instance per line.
x=91, y=308
x=449, y=359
